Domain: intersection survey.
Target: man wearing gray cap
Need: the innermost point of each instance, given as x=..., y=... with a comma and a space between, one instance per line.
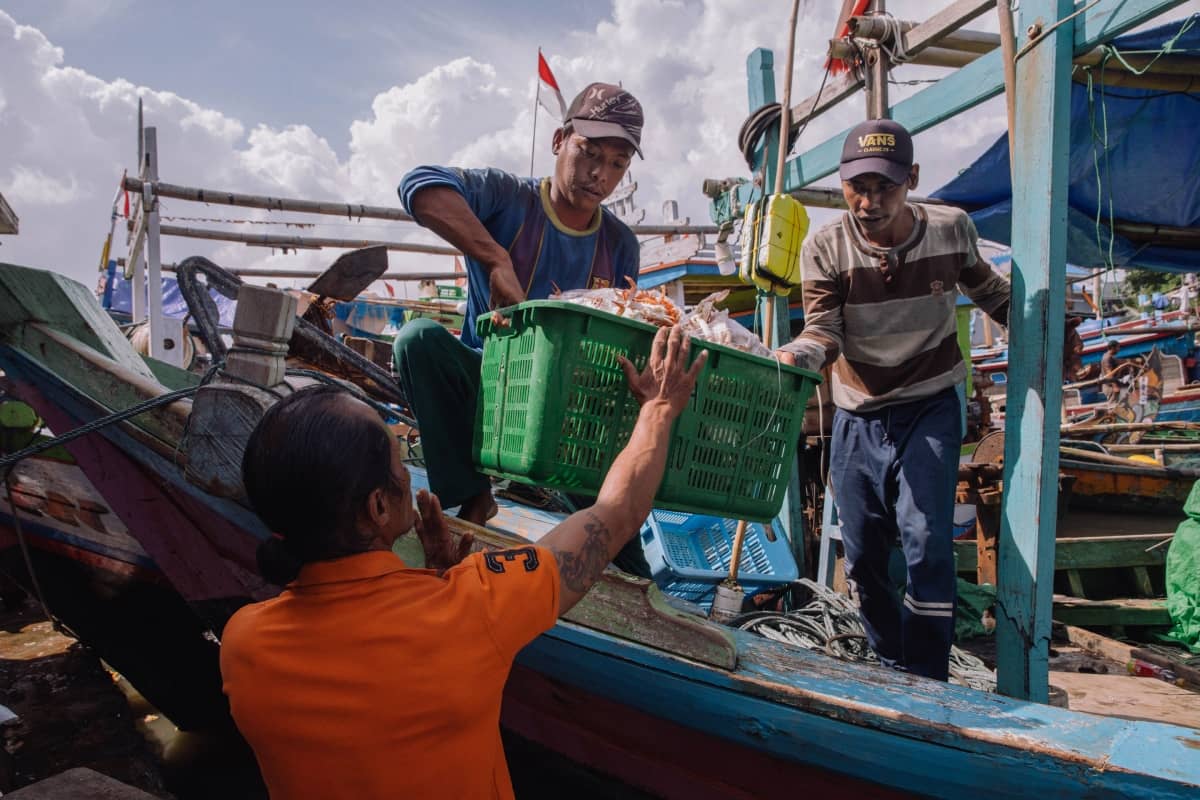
x=522, y=239
x=880, y=288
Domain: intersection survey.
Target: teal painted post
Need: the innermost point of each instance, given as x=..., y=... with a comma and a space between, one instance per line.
x=760, y=80
x=1034, y=396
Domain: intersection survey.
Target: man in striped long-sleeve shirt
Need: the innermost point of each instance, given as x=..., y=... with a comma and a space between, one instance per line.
x=880, y=286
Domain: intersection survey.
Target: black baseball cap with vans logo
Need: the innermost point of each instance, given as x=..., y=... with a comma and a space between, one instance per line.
x=604, y=111
x=878, y=146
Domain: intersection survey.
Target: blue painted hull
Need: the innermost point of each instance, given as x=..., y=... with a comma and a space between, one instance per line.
x=865, y=723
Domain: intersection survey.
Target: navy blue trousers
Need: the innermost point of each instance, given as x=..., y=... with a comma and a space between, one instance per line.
x=893, y=473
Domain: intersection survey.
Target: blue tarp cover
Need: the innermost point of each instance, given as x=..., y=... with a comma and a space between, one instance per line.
x=173, y=303
x=1149, y=169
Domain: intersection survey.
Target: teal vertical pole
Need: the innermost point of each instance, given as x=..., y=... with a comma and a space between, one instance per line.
x=760, y=77
x=1039, y=224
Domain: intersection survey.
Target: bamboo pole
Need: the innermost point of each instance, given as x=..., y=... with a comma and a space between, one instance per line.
x=739, y=535
x=308, y=242
x=352, y=211
x=1116, y=427
x=1008, y=46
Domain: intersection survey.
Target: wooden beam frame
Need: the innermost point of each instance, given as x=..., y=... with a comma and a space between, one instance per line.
x=926, y=34
x=760, y=80
x=971, y=85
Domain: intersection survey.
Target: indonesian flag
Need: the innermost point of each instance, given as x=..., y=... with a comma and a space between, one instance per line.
x=546, y=81
x=391, y=292
x=850, y=8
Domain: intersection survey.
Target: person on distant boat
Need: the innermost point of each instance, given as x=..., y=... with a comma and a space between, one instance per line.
x=523, y=239
x=1110, y=370
x=367, y=678
x=880, y=286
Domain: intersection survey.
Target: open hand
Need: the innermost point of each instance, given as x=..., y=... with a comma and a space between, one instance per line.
x=441, y=552
x=666, y=377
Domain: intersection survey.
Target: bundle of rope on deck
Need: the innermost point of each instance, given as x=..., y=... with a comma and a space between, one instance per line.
x=829, y=623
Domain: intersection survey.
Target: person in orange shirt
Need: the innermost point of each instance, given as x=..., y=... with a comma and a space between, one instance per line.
x=366, y=678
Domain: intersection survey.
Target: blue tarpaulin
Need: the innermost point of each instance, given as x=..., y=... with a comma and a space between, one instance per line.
x=1134, y=157
x=173, y=303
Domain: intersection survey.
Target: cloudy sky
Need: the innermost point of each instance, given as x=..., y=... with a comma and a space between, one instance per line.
x=337, y=101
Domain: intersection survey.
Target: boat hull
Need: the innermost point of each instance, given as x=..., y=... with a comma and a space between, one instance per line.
x=1108, y=487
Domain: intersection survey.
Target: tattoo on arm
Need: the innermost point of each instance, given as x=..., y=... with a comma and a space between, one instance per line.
x=579, y=570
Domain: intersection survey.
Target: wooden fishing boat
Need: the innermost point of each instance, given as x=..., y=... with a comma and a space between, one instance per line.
x=627, y=684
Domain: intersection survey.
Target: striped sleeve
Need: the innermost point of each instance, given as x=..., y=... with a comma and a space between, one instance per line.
x=824, y=329
x=987, y=289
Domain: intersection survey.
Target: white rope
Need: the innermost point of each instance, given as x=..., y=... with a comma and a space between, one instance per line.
x=897, y=53
x=830, y=623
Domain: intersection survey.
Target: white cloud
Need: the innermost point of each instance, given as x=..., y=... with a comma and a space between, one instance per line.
x=37, y=188
x=67, y=135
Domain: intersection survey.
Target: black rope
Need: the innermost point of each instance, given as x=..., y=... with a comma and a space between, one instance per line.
x=9, y=461
x=765, y=119
x=383, y=409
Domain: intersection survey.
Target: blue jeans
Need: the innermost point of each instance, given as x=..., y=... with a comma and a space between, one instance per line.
x=893, y=473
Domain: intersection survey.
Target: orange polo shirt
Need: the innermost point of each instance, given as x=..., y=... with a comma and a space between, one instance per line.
x=367, y=679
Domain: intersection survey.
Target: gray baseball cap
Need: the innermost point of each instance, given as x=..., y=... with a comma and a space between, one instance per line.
x=604, y=111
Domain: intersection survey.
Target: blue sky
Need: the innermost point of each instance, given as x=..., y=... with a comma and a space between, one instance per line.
x=312, y=65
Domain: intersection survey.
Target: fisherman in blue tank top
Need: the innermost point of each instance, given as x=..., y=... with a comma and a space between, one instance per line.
x=522, y=238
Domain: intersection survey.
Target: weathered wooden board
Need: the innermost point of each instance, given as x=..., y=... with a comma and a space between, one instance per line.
x=1102, y=613
x=35, y=295
x=1128, y=697
x=1087, y=552
x=618, y=604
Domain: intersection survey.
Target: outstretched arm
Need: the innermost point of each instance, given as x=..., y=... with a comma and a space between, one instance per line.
x=446, y=212
x=588, y=540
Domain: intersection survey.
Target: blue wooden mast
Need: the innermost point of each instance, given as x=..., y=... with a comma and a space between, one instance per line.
x=1052, y=33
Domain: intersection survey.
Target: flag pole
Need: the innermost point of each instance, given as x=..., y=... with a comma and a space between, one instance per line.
x=536, y=97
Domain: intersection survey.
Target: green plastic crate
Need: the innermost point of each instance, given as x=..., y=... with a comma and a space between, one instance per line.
x=555, y=410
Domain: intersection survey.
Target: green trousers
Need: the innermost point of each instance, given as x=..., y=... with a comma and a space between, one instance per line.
x=440, y=376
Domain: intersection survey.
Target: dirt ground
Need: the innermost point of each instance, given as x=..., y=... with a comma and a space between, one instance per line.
x=70, y=712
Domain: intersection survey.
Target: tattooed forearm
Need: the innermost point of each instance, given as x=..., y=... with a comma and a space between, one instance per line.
x=579, y=568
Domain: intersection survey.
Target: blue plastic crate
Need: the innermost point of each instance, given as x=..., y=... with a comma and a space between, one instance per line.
x=689, y=555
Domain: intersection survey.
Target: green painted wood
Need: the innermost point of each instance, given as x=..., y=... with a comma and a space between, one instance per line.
x=1075, y=580
x=35, y=295
x=1029, y=509
x=1111, y=613
x=1085, y=553
x=1145, y=586
x=971, y=85
x=170, y=375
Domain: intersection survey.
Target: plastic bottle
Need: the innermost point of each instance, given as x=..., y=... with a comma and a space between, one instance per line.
x=1144, y=669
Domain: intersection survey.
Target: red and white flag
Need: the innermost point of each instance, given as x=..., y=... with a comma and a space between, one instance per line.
x=547, y=84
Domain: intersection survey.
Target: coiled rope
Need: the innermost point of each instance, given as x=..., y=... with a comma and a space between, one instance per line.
x=829, y=623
